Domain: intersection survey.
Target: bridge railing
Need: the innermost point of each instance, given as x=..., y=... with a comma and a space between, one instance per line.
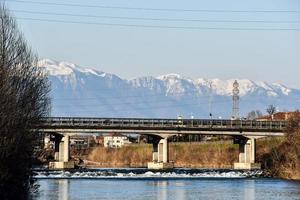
x=165, y=123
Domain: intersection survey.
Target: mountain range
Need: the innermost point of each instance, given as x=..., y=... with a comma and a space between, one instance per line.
x=86, y=92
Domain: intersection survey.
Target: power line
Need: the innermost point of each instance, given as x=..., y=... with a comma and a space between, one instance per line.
x=152, y=9
x=105, y=109
x=123, y=102
x=139, y=108
x=159, y=26
x=193, y=102
x=137, y=103
x=152, y=19
x=164, y=95
x=173, y=100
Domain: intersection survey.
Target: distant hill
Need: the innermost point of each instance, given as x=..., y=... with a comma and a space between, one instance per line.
x=78, y=91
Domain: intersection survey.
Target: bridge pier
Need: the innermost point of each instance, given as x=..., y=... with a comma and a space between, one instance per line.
x=62, y=154
x=57, y=140
x=160, y=155
x=247, y=147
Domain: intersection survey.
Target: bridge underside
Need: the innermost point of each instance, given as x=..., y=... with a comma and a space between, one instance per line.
x=160, y=154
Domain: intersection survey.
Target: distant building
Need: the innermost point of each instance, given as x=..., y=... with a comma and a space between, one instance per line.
x=276, y=117
x=115, y=140
x=83, y=141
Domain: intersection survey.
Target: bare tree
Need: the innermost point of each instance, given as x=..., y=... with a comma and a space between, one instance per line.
x=23, y=102
x=271, y=109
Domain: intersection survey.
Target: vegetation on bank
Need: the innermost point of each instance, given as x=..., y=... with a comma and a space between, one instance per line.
x=216, y=154
x=23, y=101
x=284, y=159
x=128, y=156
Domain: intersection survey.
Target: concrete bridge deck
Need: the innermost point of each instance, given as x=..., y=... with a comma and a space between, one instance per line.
x=167, y=126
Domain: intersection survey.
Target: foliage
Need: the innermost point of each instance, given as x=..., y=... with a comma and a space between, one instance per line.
x=285, y=159
x=23, y=101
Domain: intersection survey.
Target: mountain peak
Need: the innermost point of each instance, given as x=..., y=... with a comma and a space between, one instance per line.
x=55, y=68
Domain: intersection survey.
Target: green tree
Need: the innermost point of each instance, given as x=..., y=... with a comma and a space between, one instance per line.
x=23, y=102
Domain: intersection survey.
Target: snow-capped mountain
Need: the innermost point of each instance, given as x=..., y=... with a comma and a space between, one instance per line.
x=78, y=91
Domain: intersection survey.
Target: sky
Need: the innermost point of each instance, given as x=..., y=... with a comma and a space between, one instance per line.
x=210, y=39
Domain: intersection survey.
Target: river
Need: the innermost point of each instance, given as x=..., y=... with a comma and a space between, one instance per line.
x=178, y=184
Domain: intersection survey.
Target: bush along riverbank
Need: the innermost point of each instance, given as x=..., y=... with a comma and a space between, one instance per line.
x=284, y=159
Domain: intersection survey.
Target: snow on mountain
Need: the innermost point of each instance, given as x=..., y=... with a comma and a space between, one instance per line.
x=80, y=91
x=177, y=85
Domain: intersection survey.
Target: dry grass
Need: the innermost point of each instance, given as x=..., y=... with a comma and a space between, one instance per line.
x=217, y=154
x=127, y=156
x=208, y=155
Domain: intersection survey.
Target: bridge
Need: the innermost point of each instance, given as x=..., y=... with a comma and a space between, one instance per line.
x=244, y=132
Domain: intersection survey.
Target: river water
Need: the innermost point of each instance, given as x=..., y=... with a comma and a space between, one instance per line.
x=178, y=184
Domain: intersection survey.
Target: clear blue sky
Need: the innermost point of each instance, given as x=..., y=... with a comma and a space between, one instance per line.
x=135, y=51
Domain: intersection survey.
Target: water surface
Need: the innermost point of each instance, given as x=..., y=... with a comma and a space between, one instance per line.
x=144, y=185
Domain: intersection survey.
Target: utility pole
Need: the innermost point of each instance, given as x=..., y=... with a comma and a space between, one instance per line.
x=235, y=101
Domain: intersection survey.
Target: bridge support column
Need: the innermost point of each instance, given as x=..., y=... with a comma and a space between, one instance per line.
x=63, y=155
x=247, y=154
x=160, y=155
x=155, y=152
x=56, y=148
